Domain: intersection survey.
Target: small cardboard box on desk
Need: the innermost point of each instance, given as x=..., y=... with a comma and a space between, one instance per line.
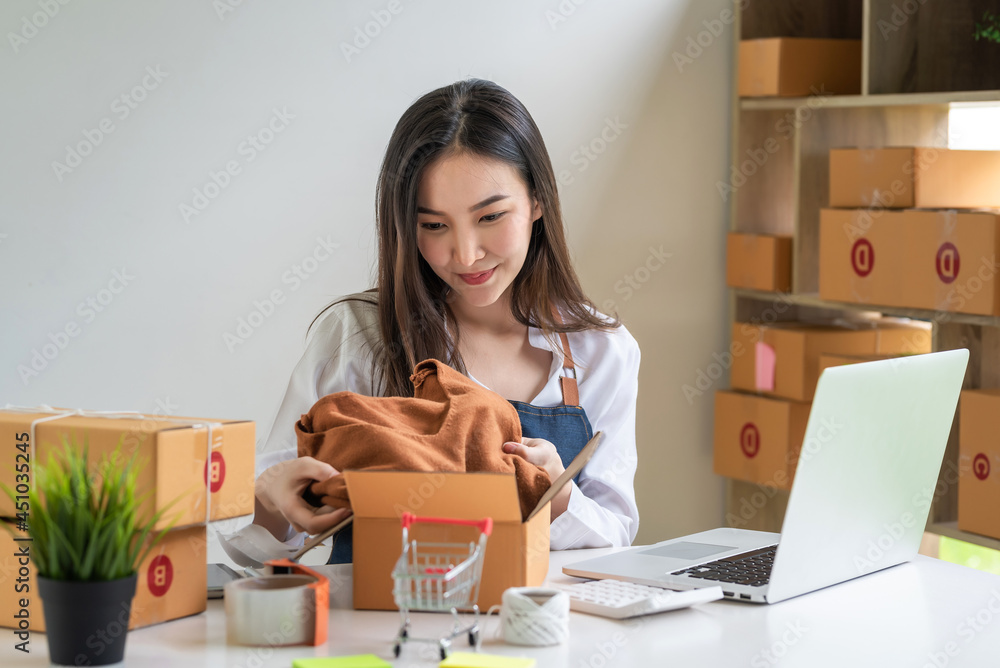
x=205, y=465
x=181, y=458
x=171, y=582
x=517, y=552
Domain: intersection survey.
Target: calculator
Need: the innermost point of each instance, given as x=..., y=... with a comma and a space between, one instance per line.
x=620, y=600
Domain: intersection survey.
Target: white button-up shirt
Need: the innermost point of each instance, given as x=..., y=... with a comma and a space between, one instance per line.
x=602, y=511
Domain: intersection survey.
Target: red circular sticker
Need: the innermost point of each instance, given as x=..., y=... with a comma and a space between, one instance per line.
x=160, y=575
x=215, y=470
x=750, y=439
x=862, y=257
x=947, y=262
x=981, y=466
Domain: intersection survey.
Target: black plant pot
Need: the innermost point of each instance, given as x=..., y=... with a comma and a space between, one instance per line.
x=86, y=622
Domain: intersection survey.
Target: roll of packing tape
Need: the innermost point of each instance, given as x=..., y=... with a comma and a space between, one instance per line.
x=274, y=610
x=535, y=616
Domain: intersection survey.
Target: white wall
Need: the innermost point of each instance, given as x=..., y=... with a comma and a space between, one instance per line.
x=223, y=69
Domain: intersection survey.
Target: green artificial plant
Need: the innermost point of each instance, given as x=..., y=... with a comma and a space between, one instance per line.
x=989, y=29
x=84, y=523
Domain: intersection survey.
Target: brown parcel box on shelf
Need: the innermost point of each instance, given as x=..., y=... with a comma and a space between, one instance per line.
x=517, y=553
x=174, y=454
x=922, y=178
x=797, y=347
x=171, y=581
x=759, y=262
x=861, y=259
x=979, y=462
x=938, y=260
x=796, y=66
x=758, y=439
x=953, y=261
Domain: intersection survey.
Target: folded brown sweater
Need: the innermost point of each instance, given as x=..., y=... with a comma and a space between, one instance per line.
x=450, y=424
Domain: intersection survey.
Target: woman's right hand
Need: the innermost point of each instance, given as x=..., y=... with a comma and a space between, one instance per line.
x=279, y=490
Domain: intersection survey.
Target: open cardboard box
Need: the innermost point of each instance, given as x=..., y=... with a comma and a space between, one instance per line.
x=517, y=552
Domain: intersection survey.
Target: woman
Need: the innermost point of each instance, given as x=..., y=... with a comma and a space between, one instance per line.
x=474, y=271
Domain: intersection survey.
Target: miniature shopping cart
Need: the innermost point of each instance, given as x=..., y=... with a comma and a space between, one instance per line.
x=439, y=577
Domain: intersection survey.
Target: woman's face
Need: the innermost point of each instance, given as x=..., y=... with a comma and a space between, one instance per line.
x=474, y=218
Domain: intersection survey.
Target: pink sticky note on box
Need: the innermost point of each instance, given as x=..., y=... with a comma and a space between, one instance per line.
x=765, y=360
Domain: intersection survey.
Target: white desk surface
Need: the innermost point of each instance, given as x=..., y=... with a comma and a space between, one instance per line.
x=924, y=613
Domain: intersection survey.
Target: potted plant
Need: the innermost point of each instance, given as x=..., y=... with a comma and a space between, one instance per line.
x=86, y=541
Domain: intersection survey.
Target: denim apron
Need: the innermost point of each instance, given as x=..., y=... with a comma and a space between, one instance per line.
x=566, y=426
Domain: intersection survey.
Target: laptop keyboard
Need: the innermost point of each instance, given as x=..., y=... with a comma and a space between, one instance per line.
x=752, y=569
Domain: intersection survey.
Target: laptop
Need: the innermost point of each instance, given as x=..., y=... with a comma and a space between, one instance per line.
x=859, y=502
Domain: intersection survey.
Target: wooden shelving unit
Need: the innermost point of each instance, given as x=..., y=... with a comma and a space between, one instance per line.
x=907, y=91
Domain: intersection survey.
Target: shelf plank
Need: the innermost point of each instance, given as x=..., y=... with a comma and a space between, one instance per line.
x=986, y=97
x=951, y=530
x=813, y=300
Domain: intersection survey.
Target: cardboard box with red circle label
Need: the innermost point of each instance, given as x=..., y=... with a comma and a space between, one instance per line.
x=914, y=177
x=204, y=467
x=757, y=439
x=861, y=256
x=979, y=462
x=953, y=264
x=936, y=260
x=171, y=582
x=759, y=262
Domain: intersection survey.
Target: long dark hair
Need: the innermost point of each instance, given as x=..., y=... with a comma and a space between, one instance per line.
x=483, y=119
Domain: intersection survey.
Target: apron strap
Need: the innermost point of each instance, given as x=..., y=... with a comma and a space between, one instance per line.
x=570, y=390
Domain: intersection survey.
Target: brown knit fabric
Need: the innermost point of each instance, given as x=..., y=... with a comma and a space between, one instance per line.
x=451, y=424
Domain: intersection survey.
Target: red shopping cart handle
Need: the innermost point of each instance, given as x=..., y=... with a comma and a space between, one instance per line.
x=485, y=525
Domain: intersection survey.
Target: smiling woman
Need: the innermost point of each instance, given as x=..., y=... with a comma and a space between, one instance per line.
x=474, y=271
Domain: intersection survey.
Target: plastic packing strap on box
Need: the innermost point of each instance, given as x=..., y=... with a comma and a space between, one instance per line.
x=59, y=413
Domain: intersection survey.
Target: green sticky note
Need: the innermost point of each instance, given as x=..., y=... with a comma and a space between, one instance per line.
x=475, y=660
x=356, y=661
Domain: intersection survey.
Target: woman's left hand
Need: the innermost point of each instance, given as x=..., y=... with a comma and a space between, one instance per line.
x=543, y=454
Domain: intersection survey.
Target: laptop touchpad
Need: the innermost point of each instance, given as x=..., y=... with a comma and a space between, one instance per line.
x=686, y=550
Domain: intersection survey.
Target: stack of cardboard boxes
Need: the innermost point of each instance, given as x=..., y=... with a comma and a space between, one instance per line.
x=911, y=227
x=760, y=425
x=204, y=468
